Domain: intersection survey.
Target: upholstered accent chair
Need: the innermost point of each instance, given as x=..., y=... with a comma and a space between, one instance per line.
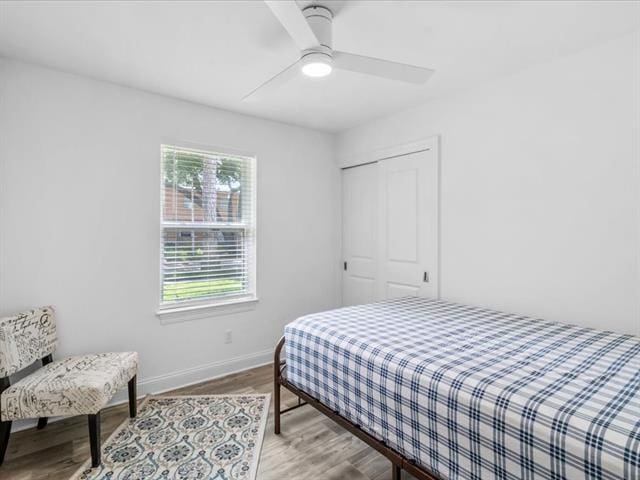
x=79, y=385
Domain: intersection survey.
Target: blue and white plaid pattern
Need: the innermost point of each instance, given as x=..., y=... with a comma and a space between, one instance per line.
x=470, y=393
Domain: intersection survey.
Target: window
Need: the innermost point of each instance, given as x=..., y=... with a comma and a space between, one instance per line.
x=208, y=228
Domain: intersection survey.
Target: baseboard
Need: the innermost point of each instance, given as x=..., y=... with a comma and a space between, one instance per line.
x=178, y=379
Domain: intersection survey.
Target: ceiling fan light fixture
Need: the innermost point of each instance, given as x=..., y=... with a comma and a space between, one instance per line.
x=316, y=69
x=312, y=31
x=316, y=65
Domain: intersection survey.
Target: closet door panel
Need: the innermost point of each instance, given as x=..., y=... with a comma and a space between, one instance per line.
x=397, y=290
x=359, y=234
x=402, y=215
x=408, y=226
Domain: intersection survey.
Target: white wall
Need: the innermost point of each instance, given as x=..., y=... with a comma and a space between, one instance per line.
x=79, y=213
x=540, y=187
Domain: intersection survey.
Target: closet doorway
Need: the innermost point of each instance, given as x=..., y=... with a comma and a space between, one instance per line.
x=390, y=227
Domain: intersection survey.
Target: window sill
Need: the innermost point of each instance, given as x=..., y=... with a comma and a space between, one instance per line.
x=195, y=312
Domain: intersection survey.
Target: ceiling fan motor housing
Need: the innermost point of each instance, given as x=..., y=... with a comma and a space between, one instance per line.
x=320, y=20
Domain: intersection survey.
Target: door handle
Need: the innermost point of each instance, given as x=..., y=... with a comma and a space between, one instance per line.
x=425, y=277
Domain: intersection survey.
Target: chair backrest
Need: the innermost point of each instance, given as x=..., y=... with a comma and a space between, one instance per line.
x=25, y=338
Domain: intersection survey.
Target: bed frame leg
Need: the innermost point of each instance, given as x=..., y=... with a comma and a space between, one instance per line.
x=396, y=472
x=276, y=407
x=276, y=387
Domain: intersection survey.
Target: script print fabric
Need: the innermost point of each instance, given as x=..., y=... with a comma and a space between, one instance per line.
x=470, y=393
x=25, y=338
x=72, y=386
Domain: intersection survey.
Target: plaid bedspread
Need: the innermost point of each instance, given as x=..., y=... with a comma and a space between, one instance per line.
x=470, y=393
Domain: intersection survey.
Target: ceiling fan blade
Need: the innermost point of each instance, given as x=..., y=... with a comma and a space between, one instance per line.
x=381, y=68
x=293, y=21
x=274, y=82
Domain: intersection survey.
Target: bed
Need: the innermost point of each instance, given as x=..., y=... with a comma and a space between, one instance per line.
x=449, y=391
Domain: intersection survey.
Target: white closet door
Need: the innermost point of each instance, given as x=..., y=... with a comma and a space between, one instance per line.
x=359, y=234
x=408, y=226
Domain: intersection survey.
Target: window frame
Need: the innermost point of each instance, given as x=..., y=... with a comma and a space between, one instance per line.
x=206, y=307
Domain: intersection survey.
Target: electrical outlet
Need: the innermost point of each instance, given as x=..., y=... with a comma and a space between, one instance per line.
x=228, y=336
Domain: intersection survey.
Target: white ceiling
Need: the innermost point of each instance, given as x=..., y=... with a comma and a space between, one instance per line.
x=215, y=52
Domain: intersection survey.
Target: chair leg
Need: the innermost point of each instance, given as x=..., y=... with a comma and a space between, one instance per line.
x=133, y=394
x=5, y=427
x=5, y=432
x=42, y=421
x=94, y=439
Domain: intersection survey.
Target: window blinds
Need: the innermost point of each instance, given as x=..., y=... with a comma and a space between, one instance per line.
x=208, y=226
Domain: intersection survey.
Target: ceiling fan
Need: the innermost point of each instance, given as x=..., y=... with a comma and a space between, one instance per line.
x=311, y=30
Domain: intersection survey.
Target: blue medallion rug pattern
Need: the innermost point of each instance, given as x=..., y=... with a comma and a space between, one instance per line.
x=209, y=437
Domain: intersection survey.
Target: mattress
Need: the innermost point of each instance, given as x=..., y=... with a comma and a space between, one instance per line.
x=470, y=393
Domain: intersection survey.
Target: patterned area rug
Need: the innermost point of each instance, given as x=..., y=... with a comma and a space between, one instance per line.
x=212, y=437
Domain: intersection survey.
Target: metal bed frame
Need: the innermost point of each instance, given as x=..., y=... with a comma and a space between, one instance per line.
x=398, y=462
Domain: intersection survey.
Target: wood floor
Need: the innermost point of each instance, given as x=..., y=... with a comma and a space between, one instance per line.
x=310, y=447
